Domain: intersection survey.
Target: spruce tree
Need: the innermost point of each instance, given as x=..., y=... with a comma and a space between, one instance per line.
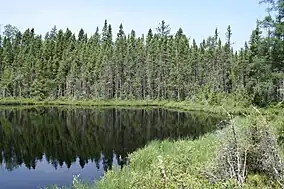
x=159, y=65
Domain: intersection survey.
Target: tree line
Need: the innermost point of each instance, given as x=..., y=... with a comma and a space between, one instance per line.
x=158, y=65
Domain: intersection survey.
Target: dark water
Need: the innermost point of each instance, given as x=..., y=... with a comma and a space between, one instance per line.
x=47, y=146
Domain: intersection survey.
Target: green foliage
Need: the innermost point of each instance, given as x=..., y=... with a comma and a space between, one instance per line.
x=247, y=147
x=158, y=165
x=159, y=66
x=48, y=125
x=152, y=70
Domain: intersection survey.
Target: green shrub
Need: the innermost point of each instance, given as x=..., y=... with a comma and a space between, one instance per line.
x=247, y=146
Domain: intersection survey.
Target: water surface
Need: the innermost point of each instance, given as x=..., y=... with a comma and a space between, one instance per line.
x=48, y=145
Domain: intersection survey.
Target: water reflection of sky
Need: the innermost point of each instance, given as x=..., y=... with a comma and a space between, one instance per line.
x=45, y=174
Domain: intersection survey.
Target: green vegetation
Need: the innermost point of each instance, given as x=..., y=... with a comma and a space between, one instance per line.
x=247, y=145
x=157, y=69
x=160, y=65
x=158, y=164
x=227, y=105
x=89, y=133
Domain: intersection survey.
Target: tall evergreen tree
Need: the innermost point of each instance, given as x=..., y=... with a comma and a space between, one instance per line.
x=159, y=65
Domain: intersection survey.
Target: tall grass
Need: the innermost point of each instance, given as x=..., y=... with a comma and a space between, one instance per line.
x=164, y=164
x=186, y=163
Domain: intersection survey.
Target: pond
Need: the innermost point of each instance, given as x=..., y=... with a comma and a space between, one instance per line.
x=48, y=145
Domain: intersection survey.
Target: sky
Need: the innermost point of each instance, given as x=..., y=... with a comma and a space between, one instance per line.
x=197, y=18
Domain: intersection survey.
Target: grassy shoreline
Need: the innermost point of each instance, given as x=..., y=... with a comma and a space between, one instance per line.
x=174, y=164
x=174, y=105
x=182, y=161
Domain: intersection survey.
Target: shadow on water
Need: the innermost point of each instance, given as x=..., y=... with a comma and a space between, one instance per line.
x=63, y=138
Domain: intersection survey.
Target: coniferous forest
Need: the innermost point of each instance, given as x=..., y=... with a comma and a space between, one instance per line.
x=161, y=64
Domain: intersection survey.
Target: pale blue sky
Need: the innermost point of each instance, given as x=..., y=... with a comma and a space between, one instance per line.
x=198, y=18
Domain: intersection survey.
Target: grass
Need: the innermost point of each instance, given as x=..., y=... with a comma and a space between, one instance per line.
x=174, y=105
x=175, y=164
x=167, y=164
x=178, y=164
x=181, y=160
x=164, y=164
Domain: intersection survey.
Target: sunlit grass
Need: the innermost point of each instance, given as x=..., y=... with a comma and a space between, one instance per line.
x=173, y=164
x=181, y=160
x=167, y=164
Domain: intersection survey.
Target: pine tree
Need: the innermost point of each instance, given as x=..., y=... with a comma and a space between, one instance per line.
x=150, y=64
x=228, y=62
x=119, y=58
x=1, y=57
x=158, y=66
x=182, y=55
x=95, y=62
x=275, y=29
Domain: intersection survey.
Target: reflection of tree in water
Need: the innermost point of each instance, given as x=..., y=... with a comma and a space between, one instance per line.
x=90, y=134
